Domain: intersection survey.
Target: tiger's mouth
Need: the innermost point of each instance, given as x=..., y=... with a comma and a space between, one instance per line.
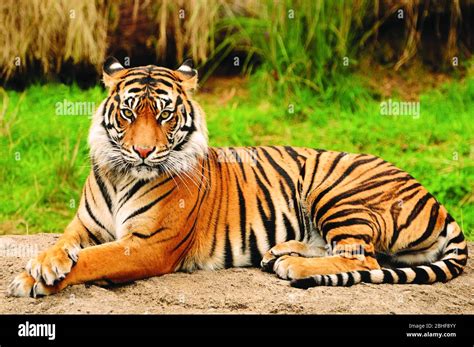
x=149, y=167
x=143, y=166
x=144, y=171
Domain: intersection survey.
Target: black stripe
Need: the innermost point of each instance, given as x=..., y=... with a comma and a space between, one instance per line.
x=301, y=177
x=93, y=217
x=229, y=261
x=451, y=251
x=416, y=211
x=290, y=231
x=304, y=283
x=440, y=274
x=343, y=213
x=346, y=173
x=284, y=193
x=461, y=262
x=109, y=116
x=148, y=206
x=349, y=193
x=216, y=224
x=239, y=162
x=333, y=166
x=391, y=172
x=146, y=80
x=165, y=73
x=92, y=236
x=313, y=173
x=324, y=279
x=261, y=170
x=430, y=228
x=415, y=251
x=268, y=221
x=457, y=239
x=166, y=180
x=255, y=256
x=190, y=104
x=340, y=279
x=407, y=198
x=213, y=245
x=339, y=237
x=190, y=232
x=103, y=189
x=345, y=223
x=135, y=90
x=243, y=216
x=410, y=187
x=303, y=221
x=387, y=276
x=350, y=279
x=132, y=192
x=365, y=276
x=141, y=73
x=453, y=269
x=161, y=91
x=294, y=155
x=280, y=171
x=421, y=277
x=146, y=236
x=366, y=200
x=199, y=199
x=449, y=219
x=402, y=276
x=164, y=82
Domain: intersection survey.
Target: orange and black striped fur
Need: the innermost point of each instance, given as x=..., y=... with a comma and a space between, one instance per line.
x=159, y=200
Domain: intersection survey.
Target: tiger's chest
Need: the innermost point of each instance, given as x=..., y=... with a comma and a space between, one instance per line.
x=143, y=206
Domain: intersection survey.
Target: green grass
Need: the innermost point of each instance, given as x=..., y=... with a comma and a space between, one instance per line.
x=42, y=188
x=302, y=45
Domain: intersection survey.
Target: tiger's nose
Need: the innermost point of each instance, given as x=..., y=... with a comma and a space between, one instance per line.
x=144, y=151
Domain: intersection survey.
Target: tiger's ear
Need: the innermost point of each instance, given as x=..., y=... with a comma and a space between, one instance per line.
x=187, y=75
x=112, y=72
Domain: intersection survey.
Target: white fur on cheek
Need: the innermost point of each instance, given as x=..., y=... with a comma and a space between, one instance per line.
x=196, y=147
x=102, y=151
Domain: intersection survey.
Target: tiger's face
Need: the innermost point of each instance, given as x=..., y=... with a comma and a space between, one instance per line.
x=148, y=125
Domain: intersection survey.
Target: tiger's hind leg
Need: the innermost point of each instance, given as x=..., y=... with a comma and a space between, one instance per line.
x=291, y=248
x=352, y=250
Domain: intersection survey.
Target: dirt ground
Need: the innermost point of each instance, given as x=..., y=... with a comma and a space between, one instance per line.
x=228, y=291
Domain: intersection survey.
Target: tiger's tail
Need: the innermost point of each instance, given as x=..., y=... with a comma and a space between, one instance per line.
x=450, y=265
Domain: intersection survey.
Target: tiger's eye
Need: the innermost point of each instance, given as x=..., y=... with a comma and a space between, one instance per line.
x=165, y=115
x=127, y=113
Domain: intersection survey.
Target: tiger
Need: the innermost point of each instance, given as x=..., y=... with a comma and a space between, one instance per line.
x=159, y=200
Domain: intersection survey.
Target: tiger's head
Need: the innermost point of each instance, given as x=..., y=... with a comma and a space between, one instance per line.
x=148, y=125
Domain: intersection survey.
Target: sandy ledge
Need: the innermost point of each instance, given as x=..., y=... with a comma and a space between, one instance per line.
x=228, y=291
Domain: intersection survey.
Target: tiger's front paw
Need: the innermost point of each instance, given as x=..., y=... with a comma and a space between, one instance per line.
x=54, y=264
x=23, y=285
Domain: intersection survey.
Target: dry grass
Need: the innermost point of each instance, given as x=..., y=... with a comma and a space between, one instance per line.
x=414, y=26
x=46, y=33
x=50, y=32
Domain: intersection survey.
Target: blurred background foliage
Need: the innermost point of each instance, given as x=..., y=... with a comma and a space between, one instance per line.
x=306, y=73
